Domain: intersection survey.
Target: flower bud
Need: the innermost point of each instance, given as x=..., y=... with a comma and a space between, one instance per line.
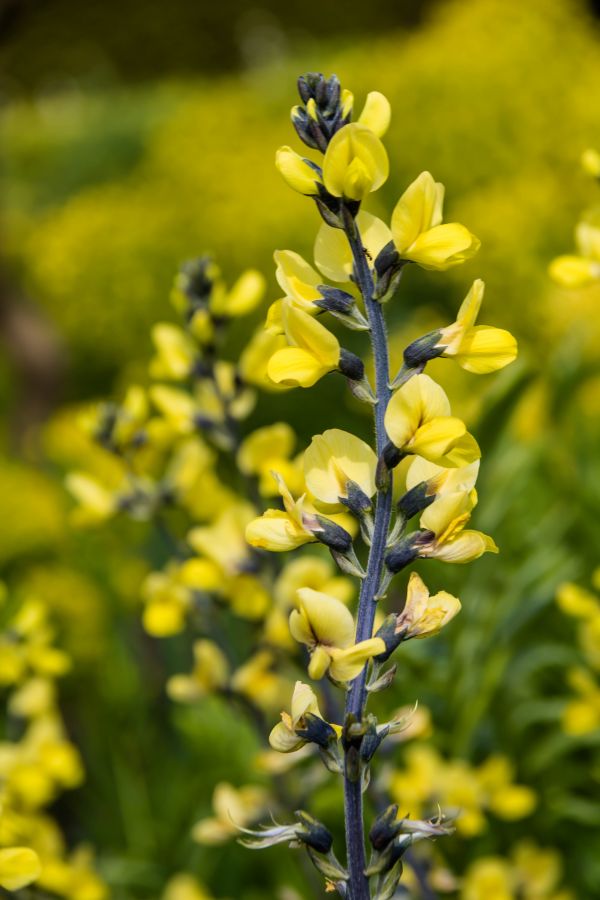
x=385, y=828
x=329, y=533
x=406, y=550
x=313, y=833
x=416, y=500
x=351, y=365
x=422, y=350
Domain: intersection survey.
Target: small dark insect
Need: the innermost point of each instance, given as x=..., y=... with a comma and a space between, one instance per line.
x=367, y=254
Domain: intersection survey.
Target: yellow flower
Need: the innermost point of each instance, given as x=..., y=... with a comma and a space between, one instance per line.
x=297, y=279
x=538, y=870
x=355, y=163
x=327, y=628
x=210, y=674
x=446, y=519
x=477, y=348
x=299, y=173
x=260, y=683
x=184, y=887
x=280, y=529
x=96, y=503
x=590, y=161
x=332, y=251
x=489, y=878
x=507, y=800
x=582, y=715
x=311, y=571
x=19, y=866
x=267, y=450
x=224, y=541
x=439, y=479
x=176, y=353
x=418, y=421
x=255, y=358
x=312, y=350
x=241, y=299
x=424, y=615
x=576, y=601
x=167, y=602
x=336, y=460
x=583, y=268
x=418, y=232
x=283, y=736
x=233, y=808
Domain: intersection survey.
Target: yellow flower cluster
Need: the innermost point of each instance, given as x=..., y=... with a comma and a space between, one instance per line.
x=42, y=763
x=581, y=714
x=530, y=873
x=577, y=270
x=471, y=792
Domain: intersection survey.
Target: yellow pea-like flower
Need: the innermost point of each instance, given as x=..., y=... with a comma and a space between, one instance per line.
x=418, y=421
x=583, y=268
x=233, y=808
x=581, y=715
x=504, y=798
x=185, y=887
x=177, y=406
x=336, y=459
x=255, y=358
x=245, y=295
x=299, y=173
x=210, y=674
x=355, y=163
x=332, y=253
x=488, y=877
x=224, y=540
x=19, y=866
x=297, y=279
x=419, y=234
x=268, y=450
x=96, y=503
x=312, y=350
x=439, y=479
x=283, y=736
x=175, y=352
x=327, y=628
x=477, y=348
x=279, y=530
x=446, y=519
x=424, y=615
x=576, y=601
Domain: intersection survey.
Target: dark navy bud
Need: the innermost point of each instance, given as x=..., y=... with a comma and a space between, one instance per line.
x=422, y=350
x=407, y=550
x=390, y=637
x=316, y=731
x=356, y=500
x=308, y=85
x=416, y=500
x=329, y=533
x=386, y=259
x=313, y=833
x=335, y=300
x=329, y=208
x=370, y=743
x=351, y=365
x=385, y=828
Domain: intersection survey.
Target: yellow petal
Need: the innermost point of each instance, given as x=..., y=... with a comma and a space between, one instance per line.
x=465, y=450
x=244, y=296
x=442, y=247
x=297, y=279
x=320, y=660
x=263, y=444
x=19, y=866
x=321, y=619
x=276, y=530
x=297, y=172
x=418, y=401
x=436, y=437
x=355, y=163
x=376, y=114
x=255, y=359
x=574, y=271
x=444, y=512
x=464, y=548
x=333, y=459
x=332, y=252
x=284, y=740
x=485, y=349
x=304, y=701
x=418, y=209
x=347, y=664
x=296, y=367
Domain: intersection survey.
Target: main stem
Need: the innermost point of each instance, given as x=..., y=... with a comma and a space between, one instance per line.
x=358, y=884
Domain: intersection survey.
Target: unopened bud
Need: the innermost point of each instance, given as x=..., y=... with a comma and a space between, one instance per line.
x=416, y=500
x=422, y=350
x=385, y=828
x=313, y=833
x=329, y=533
x=407, y=550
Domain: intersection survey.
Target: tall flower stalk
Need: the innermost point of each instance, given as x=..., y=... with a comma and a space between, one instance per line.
x=412, y=423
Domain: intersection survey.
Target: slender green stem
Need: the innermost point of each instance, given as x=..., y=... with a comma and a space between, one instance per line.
x=358, y=885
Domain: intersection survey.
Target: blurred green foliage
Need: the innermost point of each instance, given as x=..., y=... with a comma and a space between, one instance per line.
x=105, y=192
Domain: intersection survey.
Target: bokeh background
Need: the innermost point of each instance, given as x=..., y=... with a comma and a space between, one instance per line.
x=137, y=135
